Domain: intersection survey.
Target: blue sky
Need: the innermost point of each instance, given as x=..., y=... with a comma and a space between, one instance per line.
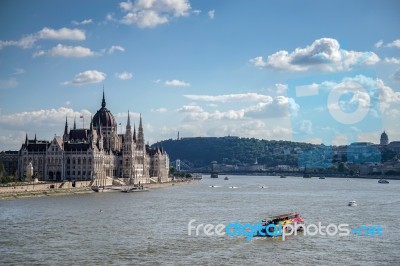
x=203, y=68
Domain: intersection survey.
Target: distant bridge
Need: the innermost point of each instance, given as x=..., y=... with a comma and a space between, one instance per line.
x=180, y=165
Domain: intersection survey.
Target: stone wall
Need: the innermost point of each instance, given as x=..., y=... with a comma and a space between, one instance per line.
x=44, y=186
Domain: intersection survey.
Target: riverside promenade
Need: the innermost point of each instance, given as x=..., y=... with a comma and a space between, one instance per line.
x=43, y=189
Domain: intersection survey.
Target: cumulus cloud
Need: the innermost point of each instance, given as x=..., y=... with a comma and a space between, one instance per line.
x=395, y=44
x=231, y=97
x=66, y=51
x=87, y=77
x=324, y=54
x=160, y=110
x=115, y=48
x=8, y=83
x=379, y=44
x=266, y=107
x=45, y=34
x=150, y=13
x=211, y=14
x=40, y=118
x=392, y=60
x=280, y=106
x=281, y=88
x=176, y=83
x=83, y=22
x=124, y=75
x=61, y=34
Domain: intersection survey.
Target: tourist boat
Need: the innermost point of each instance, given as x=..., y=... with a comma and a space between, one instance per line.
x=280, y=221
x=106, y=189
x=226, y=178
x=352, y=203
x=214, y=175
x=383, y=181
x=282, y=176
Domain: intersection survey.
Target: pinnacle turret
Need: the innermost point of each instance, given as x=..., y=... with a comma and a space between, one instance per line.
x=103, y=102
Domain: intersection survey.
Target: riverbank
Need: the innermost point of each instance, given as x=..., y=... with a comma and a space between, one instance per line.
x=16, y=194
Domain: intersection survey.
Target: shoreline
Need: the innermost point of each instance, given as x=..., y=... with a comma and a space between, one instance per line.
x=80, y=190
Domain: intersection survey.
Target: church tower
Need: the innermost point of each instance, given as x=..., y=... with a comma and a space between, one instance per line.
x=128, y=158
x=140, y=137
x=66, y=136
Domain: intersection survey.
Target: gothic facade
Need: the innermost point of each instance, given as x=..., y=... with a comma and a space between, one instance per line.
x=98, y=154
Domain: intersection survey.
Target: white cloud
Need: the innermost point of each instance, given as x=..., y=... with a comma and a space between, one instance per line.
x=46, y=34
x=125, y=115
x=196, y=12
x=24, y=42
x=306, y=127
x=40, y=118
x=211, y=14
x=190, y=109
x=379, y=44
x=160, y=110
x=19, y=71
x=12, y=141
x=83, y=22
x=176, y=83
x=267, y=107
x=150, y=13
x=110, y=18
x=392, y=60
x=258, y=62
x=66, y=51
x=116, y=48
x=395, y=44
x=124, y=75
x=61, y=34
x=280, y=106
x=8, y=83
x=281, y=88
x=324, y=54
x=231, y=97
x=87, y=77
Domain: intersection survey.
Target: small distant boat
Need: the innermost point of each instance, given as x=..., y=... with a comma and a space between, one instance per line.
x=306, y=175
x=322, y=177
x=226, y=178
x=383, y=181
x=135, y=189
x=214, y=175
x=197, y=176
x=352, y=203
x=282, y=176
x=233, y=187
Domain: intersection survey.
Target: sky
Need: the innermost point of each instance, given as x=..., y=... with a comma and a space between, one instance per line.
x=311, y=71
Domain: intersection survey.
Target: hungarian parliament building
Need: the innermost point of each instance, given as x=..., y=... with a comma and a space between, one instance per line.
x=97, y=153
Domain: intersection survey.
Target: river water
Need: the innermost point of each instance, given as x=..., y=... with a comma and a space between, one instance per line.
x=152, y=227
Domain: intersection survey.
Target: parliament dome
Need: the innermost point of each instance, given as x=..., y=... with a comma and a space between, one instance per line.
x=103, y=116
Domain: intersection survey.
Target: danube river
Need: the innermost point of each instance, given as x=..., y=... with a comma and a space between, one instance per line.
x=152, y=227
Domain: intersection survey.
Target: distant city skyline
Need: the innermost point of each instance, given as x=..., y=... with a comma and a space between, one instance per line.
x=203, y=68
